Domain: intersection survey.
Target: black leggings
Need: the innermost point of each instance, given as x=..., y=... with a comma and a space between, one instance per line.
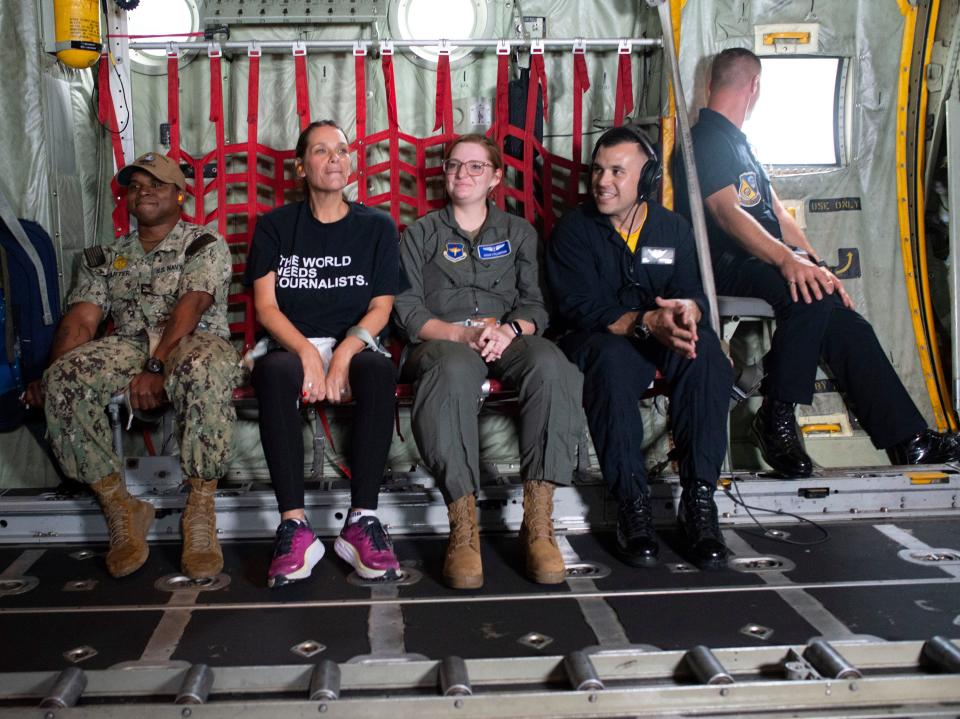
x=278, y=378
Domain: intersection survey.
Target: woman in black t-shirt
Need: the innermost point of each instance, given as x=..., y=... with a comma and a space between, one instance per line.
x=324, y=273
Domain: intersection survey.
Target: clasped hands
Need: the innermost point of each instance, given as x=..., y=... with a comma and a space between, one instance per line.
x=332, y=385
x=673, y=323
x=489, y=340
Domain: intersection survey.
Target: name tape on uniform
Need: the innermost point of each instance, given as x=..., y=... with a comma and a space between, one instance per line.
x=491, y=252
x=657, y=255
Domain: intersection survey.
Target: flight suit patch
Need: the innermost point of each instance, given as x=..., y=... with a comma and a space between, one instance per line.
x=455, y=252
x=492, y=252
x=749, y=190
x=657, y=255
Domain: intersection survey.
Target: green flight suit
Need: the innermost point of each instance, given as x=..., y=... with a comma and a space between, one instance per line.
x=496, y=274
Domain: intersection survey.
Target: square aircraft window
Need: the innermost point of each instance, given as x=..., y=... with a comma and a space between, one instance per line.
x=799, y=118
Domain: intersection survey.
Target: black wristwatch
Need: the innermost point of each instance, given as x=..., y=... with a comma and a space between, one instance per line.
x=517, y=329
x=640, y=330
x=154, y=366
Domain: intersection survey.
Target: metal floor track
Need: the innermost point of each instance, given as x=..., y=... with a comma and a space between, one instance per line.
x=876, y=576
x=875, y=590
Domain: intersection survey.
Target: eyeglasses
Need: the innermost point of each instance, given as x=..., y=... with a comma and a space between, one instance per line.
x=474, y=167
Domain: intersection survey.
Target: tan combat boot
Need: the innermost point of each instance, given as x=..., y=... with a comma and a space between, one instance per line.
x=129, y=520
x=462, y=568
x=544, y=563
x=201, y=556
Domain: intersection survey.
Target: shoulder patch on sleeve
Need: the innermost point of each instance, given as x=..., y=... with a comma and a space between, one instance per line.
x=198, y=244
x=94, y=256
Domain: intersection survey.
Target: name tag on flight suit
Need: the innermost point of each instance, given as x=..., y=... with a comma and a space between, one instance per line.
x=657, y=255
x=491, y=252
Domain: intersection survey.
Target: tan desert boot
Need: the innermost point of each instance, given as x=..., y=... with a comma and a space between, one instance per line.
x=201, y=556
x=129, y=520
x=544, y=562
x=462, y=568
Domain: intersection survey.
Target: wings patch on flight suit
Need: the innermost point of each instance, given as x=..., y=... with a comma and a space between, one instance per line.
x=748, y=191
x=455, y=252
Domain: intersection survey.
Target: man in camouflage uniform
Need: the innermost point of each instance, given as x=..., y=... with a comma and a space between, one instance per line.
x=165, y=288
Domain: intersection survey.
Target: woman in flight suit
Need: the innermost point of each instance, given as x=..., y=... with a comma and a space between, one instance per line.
x=474, y=309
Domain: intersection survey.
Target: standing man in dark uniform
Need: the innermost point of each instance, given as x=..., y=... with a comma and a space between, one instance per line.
x=759, y=250
x=625, y=276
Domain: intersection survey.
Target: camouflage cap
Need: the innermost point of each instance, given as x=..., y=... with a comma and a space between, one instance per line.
x=160, y=166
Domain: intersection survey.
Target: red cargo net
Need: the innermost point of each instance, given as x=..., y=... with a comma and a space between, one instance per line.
x=541, y=186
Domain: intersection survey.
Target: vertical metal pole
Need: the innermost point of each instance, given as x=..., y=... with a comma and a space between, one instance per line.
x=689, y=166
x=118, y=45
x=953, y=188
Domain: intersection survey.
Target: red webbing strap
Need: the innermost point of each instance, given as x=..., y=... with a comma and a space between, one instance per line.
x=253, y=111
x=360, y=79
x=393, y=131
x=537, y=81
x=390, y=87
x=322, y=414
x=422, y=205
x=624, y=105
x=279, y=180
x=148, y=443
x=173, y=104
x=546, y=183
x=443, y=110
x=303, y=92
x=538, y=73
x=502, y=112
x=216, y=117
x=108, y=116
x=581, y=83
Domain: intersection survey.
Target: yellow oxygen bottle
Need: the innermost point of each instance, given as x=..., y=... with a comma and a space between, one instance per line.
x=77, y=24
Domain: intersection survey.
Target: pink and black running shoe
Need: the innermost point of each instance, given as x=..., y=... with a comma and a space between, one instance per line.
x=295, y=553
x=366, y=546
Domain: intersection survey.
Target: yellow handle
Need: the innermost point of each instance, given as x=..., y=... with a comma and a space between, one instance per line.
x=796, y=36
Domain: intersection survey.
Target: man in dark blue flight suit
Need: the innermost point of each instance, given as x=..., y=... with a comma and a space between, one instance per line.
x=759, y=250
x=625, y=276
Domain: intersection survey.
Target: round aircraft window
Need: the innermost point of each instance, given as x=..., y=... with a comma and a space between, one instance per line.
x=166, y=21
x=440, y=20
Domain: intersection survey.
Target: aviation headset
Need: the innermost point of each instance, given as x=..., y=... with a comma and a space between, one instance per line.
x=652, y=170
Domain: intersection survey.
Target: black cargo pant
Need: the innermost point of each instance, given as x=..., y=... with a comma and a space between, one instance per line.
x=617, y=372
x=824, y=329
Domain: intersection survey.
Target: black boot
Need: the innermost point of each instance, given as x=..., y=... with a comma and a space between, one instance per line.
x=636, y=538
x=775, y=432
x=697, y=517
x=927, y=447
